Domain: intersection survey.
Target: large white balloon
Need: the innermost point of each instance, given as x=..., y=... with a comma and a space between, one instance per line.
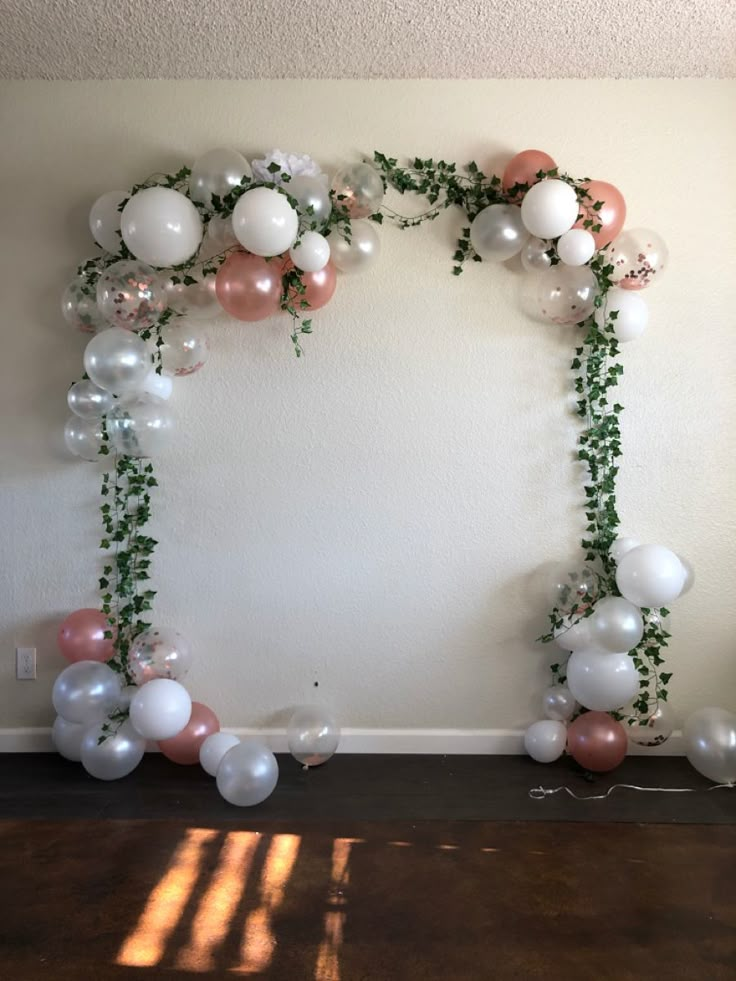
x=264, y=222
x=214, y=748
x=161, y=226
x=311, y=252
x=247, y=774
x=217, y=172
x=710, y=744
x=631, y=314
x=86, y=692
x=117, y=755
x=616, y=625
x=117, y=360
x=545, y=740
x=602, y=682
x=67, y=738
x=549, y=208
x=160, y=709
x=650, y=575
x=104, y=220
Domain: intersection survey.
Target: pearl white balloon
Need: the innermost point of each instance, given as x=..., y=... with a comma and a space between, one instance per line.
x=86, y=692
x=621, y=546
x=247, y=774
x=197, y=300
x=650, y=575
x=117, y=360
x=689, y=576
x=313, y=201
x=576, y=247
x=497, y=232
x=67, y=738
x=161, y=226
x=264, y=222
x=140, y=429
x=534, y=257
x=126, y=697
x=632, y=314
x=160, y=709
x=89, y=401
x=574, y=634
x=83, y=437
x=117, y=755
x=558, y=703
x=360, y=252
x=104, y=220
x=549, y=208
x=217, y=172
x=616, y=624
x=214, y=748
x=545, y=740
x=311, y=252
x=313, y=735
x=710, y=744
x=602, y=682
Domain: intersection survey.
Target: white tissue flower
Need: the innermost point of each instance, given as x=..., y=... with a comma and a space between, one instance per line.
x=294, y=164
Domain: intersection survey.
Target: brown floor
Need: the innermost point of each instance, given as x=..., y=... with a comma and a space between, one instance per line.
x=366, y=901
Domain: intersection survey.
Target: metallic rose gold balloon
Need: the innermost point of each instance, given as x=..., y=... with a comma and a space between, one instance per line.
x=249, y=287
x=81, y=637
x=596, y=741
x=184, y=747
x=522, y=169
x=611, y=216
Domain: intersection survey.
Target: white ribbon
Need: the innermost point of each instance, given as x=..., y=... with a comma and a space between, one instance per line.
x=539, y=793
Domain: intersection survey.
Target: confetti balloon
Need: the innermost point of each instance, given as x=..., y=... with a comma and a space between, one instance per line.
x=185, y=348
x=313, y=735
x=566, y=294
x=159, y=652
x=130, y=294
x=639, y=256
x=358, y=189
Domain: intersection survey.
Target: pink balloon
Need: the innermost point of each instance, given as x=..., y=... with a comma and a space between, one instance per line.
x=522, y=169
x=319, y=287
x=81, y=637
x=184, y=747
x=248, y=287
x=610, y=217
x=596, y=741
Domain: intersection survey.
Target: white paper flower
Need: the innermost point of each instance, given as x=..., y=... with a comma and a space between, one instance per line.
x=294, y=164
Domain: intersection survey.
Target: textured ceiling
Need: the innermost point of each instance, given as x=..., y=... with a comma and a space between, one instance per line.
x=81, y=39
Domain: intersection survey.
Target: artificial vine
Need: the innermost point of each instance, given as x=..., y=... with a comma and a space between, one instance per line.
x=596, y=373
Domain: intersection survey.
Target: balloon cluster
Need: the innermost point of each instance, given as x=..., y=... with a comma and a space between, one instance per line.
x=106, y=726
x=226, y=236
x=602, y=634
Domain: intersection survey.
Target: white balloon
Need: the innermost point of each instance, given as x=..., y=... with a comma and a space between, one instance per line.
x=558, y=703
x=247, y=774
x=140, y=429
x=710, y=744
x=616, y=624
x=621, y=546
x=117, y=755
x=497, y=232
x=650, y=575
x=360, y=252
x=89, y=401
x=574, y=634
x=264, y=222
x=104, y=220
x=157, y=386
x=602, y=682
x=126, y=696
x=545, y=740
x=86, y=692
x=311, y=252
x=161, y=226
x=67, y=738
x=160, y=709
x=117, y=360
x=549, y=208
x=214, y=748
x=217, y=172
x=83, y=437
x=632, y=314
x=576, y=247
x=689, y=576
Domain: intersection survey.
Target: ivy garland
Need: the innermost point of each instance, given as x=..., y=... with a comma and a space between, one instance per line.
x=126, y=489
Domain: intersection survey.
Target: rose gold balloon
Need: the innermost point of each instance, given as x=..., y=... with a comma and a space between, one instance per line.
x=81, y=637
x=522, y=169
x=610, y=217
x=184, y=747
x=596, y=741
x=319, y=287
x=248, y=287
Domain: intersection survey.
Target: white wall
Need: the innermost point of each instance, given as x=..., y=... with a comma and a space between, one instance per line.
x=369, y=517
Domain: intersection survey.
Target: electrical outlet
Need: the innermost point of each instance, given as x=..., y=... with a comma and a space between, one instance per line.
x=25, y=663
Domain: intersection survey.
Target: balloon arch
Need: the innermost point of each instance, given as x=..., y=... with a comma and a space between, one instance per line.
x=274, y=235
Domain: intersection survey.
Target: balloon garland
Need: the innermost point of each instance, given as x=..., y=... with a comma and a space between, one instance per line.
x=255, y=239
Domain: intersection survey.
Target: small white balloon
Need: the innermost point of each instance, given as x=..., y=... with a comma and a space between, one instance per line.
x=160, y=709
x=161, y=226
x=112, y=755
x=650, y=575
x=621, y=546
x=264, y=222
x=616, y=624
x=631, y=314
x=360, y=252
x=311, y=252
x=576, y=247
x=117, y=360
x=214, y=748
x=558, y=703
x=545, y=740
x=217, y=172
x=602, y=682
x=104, y=220
x=550, y=208
x=67, y=738
x=83, y=437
